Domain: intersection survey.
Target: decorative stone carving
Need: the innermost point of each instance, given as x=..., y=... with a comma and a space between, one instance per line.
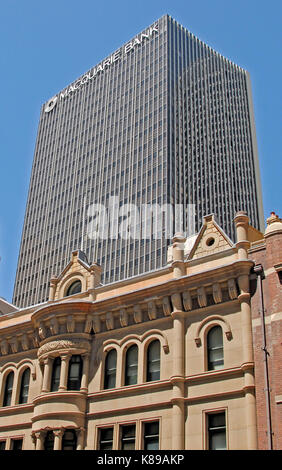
x=177, y=302
x=187, y=301
x=42, y=331
x=217, y=293
x=54, y=326
x=70, y=324
x=202, y=297
x=152, y=310
x=64, y=344
x=109, y=321
x=232, y=289
x=35, y=339
x=123, y=317
x=24, y=342
x=4, y=347
x=96, y=322
x=167, y=306
x=88, y=324
x=137, y=313
x=14, y=345
x=198, y=342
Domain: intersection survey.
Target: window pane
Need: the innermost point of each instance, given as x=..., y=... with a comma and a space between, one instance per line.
x=2, y=445
x=24, y=386
x=151, y=436
x=69, y=440
x=128, y=437
x=56, y=375
x=153, y=361
x=106, y=439
x=215, y=348
x=75, y=372
x=49, y=441
x=8, y=389
x=17, y=444
x=131, y=366
x=75, y=288
x=217, y=431
x=110, y=369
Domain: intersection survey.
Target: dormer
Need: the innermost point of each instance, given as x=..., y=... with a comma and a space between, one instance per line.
x=78, y=279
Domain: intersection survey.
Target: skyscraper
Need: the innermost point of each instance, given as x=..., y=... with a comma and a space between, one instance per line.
x=163, y=122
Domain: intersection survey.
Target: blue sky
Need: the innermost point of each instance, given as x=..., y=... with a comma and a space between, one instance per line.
x=47, y=45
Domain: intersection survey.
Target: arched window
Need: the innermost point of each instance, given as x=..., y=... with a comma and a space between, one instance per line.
x=69, y=440
x=75, y=373
x=153, y=361
x=49, y=441
x=74, y=288
x=131, y=365
x=24, y=386
x=215, y=348
x=8, y=389
x=56, y=372
x=110, y=369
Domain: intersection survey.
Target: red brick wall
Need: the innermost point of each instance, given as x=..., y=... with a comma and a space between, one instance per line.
x=269, y=256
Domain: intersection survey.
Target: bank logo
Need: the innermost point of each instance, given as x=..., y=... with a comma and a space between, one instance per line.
x=51, y=104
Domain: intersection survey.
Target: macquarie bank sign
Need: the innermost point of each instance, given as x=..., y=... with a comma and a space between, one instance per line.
x=118, y=55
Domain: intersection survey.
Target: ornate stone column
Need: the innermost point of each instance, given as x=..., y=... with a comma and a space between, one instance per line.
x=52, y=288
x=242, y=223
x=47, y=374
x=58, y=433
x=80, y=438
x=178, y=255
x=85, y=373
x=39, y=440
x=64, y=372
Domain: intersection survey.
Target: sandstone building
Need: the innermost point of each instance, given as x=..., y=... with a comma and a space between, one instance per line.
x=165, y=360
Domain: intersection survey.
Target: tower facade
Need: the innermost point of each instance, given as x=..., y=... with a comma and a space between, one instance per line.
x=163, y=123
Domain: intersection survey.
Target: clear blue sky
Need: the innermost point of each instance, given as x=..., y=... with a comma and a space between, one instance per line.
x=45, y=45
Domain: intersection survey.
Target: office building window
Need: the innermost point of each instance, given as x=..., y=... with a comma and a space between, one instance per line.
x=2, y=445
x=75, y=373
x=49, y=441
x=216, y=431
x=24, y=386
x=74, y=288
x=106, y=438
x=153, y=361
x=131, y=365
x=151, y=435
x=16, y=444
x=128, y=437
x=56, y=372
x=8, y=389
x=69, y=440
x=110, y=369
x=215, y=348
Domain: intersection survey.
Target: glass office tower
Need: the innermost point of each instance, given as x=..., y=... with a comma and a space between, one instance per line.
x=164, y=121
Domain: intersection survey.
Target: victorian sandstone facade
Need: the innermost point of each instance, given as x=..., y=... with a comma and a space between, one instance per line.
x=170, y=360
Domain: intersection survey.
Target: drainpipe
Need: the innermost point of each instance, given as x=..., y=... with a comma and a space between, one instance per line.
x=258, y=269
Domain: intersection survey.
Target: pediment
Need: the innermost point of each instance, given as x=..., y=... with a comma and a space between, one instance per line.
x=210, y=239
x=78, y=263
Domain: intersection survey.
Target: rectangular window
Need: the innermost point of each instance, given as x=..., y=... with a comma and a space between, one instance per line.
x=17, y=444
x=216, y=431
x=128, y=437
x=151, y=435
x=2, y=445
x=106, y=438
